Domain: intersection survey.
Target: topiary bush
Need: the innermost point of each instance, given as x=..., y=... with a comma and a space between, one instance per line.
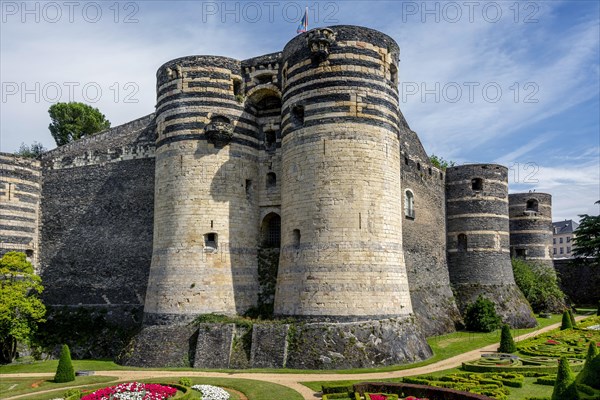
x=590, y=375
x=481, y=316
x=572, y=317
x=507, y=344
x=185, y=382
x=566, y=321
x=564, y=388
x=64, y=371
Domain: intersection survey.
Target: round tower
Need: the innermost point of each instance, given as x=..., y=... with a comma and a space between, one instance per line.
x=341, y=253
x=205, y=221
x=478, y=241
x=530, y=217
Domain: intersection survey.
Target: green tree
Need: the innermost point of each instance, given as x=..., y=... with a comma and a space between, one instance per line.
x=539, y=284
x=33, y=151
x=481, y=316
x=64, y=371
x=564, y=387
x=440, y=163
x=586, y=238
x=20, y=308
x=72, y=121
x=566, y=321
x=507, y=344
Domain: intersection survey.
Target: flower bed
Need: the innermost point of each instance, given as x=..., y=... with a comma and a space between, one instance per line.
x=133, y=391
x=210, y=392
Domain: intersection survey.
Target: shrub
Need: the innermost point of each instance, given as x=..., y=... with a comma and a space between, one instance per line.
x=566, y=321
x=507, y=344
x=564, y=388
x=64, y=371
x=185, y=382
x=572, y=317
x=590, y=375
x=539, y=284
x=72, y=394
x=337, y=388
x=481, y=316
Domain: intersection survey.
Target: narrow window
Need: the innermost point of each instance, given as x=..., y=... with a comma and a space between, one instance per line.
x=532, y=205
x=430, y=171
x=568, y=239
x=568, y=249
x=237, y=87
x=462, y=243
x=561, y=251
x=477, y=184
x=553, y=240
x=271, y=180
x=441, y=176
x=418, y=166
x=210, y=240
x=409, y=204
x=560, y=240
x=296, y=237
x=298, y=115
x=270, y=140
x=405, y=160
x=248, y=189
x=554, y=252
x=394, y=74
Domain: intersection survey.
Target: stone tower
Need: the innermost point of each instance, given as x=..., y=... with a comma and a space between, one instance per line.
x=478, y=241
x=531, y=226
x=205, y=219
x=341, y=254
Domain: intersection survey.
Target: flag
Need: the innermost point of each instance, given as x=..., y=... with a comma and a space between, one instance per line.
x=303, y=27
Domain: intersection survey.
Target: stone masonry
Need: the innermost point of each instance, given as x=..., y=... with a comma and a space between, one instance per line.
x=302, y=153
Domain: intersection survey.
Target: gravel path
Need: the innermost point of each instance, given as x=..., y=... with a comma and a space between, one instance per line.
x=293, y=381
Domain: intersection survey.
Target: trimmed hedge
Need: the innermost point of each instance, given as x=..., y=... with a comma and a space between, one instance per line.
x=407, y=389
x=64, y=371
x=333, y=388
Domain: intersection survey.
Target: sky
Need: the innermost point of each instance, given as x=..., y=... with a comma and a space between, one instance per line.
x=509, y=82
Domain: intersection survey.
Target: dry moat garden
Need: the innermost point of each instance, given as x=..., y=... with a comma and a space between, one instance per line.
x=531, y=371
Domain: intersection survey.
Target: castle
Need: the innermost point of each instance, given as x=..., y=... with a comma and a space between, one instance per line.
x=298, y=163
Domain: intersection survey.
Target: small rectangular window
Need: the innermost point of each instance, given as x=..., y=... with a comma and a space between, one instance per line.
x=560, y=240
x=554, y=252
x=562, y=251
x=553, y=240
x=210, y=240
x=568, y=239
x=568, y=249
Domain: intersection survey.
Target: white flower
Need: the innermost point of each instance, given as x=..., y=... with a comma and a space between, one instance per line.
x=211, y=392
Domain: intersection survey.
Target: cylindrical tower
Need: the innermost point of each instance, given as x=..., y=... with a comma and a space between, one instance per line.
x=205, y=220
x=341, y=256
x=478, y=240
x=20, y=185
x=531, y=226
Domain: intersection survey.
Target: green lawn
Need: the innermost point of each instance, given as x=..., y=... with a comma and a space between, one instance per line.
x=16, y=386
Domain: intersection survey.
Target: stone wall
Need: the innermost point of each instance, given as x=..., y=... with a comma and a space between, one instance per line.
x=424, y=238
x=580, y=281
x=20, y=184
x=96, y=221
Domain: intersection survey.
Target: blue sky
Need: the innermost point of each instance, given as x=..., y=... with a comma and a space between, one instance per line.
x=515, y=83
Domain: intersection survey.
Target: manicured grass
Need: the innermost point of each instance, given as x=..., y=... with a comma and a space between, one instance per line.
x=15, y=386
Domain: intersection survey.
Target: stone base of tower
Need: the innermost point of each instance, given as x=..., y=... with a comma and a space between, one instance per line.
x=510, y=303
x=435, y=310
x=301, y=345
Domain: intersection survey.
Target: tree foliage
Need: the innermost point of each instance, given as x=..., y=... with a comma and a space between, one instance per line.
x=481, y=316
x=440, y=163
x=20, y=308
x=507, y=344
x=586, y=238
x=564, y=387
x=539, y=285
x=72, y=121
x=33, y=151
x=64, y=371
